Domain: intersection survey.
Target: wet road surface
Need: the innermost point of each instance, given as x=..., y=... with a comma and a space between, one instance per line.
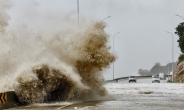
x=142, y=95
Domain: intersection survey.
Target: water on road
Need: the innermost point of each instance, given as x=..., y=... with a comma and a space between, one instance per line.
x=142, y=95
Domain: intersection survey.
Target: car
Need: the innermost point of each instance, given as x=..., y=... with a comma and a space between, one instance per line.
x=132, y=79
x=156, y=79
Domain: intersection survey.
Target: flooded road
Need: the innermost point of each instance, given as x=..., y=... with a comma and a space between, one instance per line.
x=142, y=95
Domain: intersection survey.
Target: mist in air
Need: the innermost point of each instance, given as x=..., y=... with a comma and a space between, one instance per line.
x=46, y=55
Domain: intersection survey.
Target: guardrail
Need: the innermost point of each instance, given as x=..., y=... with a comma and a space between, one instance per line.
x=121, y=78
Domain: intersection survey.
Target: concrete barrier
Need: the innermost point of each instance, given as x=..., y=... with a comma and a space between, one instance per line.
x=8, y=100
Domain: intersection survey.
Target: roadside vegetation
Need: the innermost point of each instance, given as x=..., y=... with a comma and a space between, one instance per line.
x=179, y=75
x=180, y=58
x=181, y=80
x=180, y=33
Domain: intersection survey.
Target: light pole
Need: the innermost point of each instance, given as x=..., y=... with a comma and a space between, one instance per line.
x=179, y=16
x=106, y=18
x=113, y=52
x=78, y=10
x=172, y=54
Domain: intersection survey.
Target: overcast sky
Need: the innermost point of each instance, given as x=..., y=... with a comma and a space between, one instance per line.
x=142, y=24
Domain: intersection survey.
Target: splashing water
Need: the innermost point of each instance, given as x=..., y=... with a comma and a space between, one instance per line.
x=50, y=62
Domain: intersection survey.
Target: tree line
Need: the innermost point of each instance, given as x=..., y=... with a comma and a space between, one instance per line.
x=157, y=68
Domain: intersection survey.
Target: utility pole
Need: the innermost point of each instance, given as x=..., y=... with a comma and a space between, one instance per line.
x=78, y=10
x=172, y=55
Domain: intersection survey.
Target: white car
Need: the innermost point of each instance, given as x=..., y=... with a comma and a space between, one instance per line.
x=155, y=79
x=132, y=79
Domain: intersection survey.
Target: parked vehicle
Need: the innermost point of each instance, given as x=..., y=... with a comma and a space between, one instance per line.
x=132, y=79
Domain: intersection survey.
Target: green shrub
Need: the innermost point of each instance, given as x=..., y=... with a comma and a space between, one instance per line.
x=180, y=58
x=181, y=80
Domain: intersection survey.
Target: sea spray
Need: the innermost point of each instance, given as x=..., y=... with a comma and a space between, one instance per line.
x=59, y=60
x=46, y=82
x=3, y=16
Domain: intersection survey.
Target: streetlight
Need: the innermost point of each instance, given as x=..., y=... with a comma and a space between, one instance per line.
x=106, y=18
x=172, y=53
x=78, y=10
x=113, y=52
x=179, y=16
